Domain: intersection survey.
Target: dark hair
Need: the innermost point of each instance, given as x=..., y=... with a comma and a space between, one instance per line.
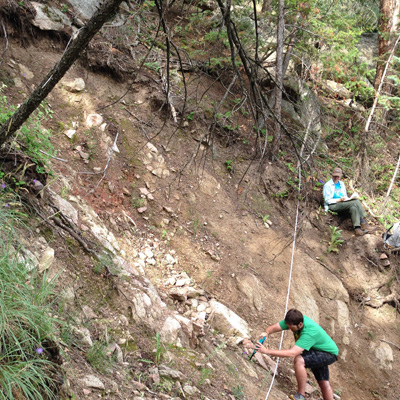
x=293, y=317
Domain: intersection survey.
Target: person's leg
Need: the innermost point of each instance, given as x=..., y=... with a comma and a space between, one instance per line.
x=360, y=209
x=326, y=390
x=352, y=207
x=301, y=374
x=355, y=214
x=319, y=362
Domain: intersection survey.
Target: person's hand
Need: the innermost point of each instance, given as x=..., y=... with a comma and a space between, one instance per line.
x=342, y=198
x=260, y=348
x=263, y=334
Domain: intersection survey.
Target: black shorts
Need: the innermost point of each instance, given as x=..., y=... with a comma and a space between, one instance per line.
x=318, y=362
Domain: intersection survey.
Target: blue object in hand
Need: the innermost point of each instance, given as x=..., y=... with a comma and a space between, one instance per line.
x=262, y=340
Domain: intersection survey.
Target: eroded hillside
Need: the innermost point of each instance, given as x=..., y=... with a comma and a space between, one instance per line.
x=152, y=228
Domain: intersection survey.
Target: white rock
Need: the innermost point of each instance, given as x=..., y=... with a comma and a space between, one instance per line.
x=202, y=307
x=167, y=372
x=92, y=381
x=151, y=261
x=384, y=354
x=169, y=331
x=228, y=322
x=190, y=390
x=169, y=260
x=83, y=335
x=148, y=253
x=64, y=206
x=182, y=282
x=94, y=120
x=70, y=133
x=46, y=259
x=74, y=86
x=49, y=18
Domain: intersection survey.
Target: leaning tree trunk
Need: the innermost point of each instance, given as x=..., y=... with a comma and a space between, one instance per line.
x=103, y=14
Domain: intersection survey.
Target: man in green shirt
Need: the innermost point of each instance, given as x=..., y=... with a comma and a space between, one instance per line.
x=313, y=349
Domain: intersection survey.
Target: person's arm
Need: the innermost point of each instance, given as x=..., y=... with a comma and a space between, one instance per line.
x=271, y=329
x=328, y=193
x=293, y=352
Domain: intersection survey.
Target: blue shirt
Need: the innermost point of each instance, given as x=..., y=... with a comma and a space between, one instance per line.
x=332, y=193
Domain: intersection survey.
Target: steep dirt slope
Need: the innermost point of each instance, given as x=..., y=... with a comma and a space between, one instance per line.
x=214, y=228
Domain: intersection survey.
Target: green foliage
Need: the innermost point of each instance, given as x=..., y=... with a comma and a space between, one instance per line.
x=137, y=202
x=265, y=218
x=154, y=66
x=103, y=264
x=98, y=358
x=229, y=165
x=26, y=326
x=336, y=240
x=238, y=392
x=33, y=138
x=160, y=349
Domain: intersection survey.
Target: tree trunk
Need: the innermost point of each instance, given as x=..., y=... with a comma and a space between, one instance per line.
x=103, y=14
x=388, y=21
x=278, y=77
x=266, y=6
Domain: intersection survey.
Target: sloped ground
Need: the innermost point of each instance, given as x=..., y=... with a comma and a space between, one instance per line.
x=211, y=223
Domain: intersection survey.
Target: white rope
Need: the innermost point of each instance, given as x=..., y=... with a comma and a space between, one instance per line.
x=290, y=278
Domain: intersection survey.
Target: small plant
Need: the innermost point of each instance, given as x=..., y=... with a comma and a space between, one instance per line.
x=229, y=165
x=205, y=374
x=98, y=358
x=336, y=240
x=265, y=218
x=137, y=202
x=154, y=66
x=160, y=348
x=64, y=8
x=196, y=224
x=238, y=392
x=190, y=116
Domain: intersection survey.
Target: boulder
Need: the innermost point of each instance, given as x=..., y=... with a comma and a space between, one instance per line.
x=170, y=331
x=384, y=354
x=48, y=18
x=228, y=322
x=84, y=9
x=74, y=86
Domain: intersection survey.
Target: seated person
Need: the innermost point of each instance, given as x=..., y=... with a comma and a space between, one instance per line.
x=336, y=199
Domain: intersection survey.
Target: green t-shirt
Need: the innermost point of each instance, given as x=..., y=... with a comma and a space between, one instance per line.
x=312, y=336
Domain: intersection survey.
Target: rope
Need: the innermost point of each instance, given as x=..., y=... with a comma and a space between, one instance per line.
x=290, y=278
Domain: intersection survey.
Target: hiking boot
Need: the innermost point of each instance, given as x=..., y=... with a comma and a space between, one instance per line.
x=366, y=227
x=297, y=396
x=360, y=232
